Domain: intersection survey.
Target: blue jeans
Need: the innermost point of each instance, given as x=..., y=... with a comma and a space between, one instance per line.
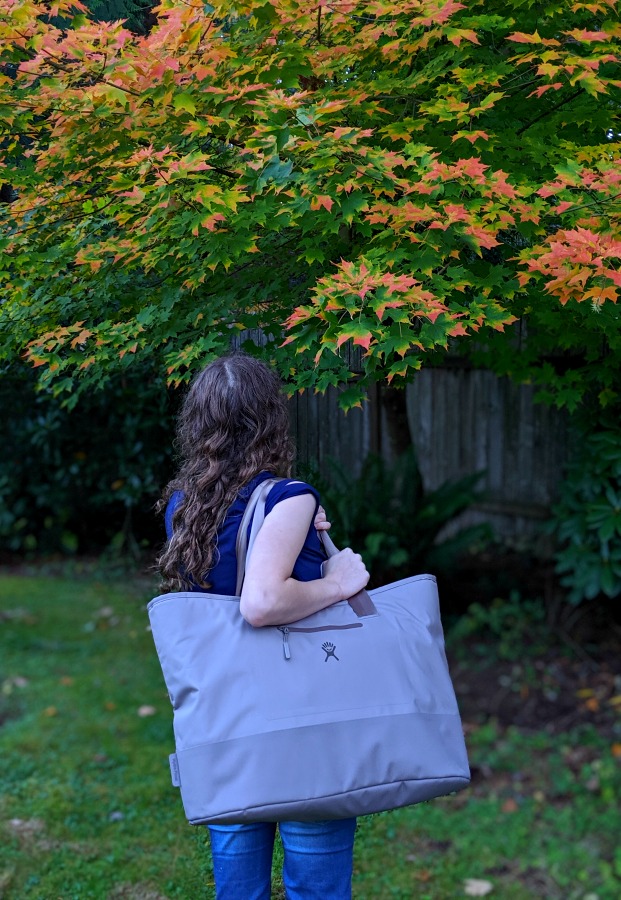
x=317, y=859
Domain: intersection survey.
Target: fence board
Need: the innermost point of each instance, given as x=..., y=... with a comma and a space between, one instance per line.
x=462, y=421
x=520, y=445
x=322, y=430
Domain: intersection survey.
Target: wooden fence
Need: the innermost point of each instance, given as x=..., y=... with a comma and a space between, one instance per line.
x=322, y=430
x=461, y=421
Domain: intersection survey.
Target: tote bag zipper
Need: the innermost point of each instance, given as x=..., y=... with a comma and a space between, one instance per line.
x=289, y=629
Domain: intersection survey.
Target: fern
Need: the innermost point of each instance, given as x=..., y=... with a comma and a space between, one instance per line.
x=386, y=515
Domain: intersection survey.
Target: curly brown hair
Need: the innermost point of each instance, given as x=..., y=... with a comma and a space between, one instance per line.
x=234, y=423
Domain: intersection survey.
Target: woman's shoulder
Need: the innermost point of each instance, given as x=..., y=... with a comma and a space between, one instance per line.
x=289, y=487
x=173, y=502
x=175, y=499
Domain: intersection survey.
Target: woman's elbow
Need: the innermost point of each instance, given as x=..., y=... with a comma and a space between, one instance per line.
x=256, y=608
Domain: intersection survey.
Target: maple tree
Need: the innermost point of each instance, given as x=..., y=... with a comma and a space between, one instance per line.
x=394, y=177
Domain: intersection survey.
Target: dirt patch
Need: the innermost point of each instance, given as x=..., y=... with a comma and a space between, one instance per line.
x=554, y=693
x=553, y=671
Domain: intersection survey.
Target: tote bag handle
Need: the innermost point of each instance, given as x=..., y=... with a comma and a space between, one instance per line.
x=360, y=603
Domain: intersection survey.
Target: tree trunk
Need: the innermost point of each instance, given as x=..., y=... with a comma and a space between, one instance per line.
x=396, y=437
x=7, y=194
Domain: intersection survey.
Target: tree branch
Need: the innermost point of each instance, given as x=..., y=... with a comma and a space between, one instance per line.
x=548, y=112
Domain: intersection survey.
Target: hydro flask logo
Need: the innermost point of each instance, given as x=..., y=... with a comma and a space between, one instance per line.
x=329, y=650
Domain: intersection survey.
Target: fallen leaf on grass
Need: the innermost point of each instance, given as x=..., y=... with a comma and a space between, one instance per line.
x=144, y=711
x=509, y=806
x=105, y=612
x=26, y=828
x=10, y=683
x=476, y=887
x=6, y=877
x=16, y=682
x=50, y=711
x=616, y=751
x=26, y=824
x=424, y=875
x=18, y=615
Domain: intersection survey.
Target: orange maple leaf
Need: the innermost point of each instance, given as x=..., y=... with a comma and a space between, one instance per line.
x=322, y=200
x=462, y=34
x=472, y=136
x=587, y=36
x=388, y=304
x=482, y=237
x=81, y=338
x=458, y=330
x=363, y=340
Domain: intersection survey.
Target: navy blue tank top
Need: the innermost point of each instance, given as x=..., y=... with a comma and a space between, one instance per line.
x=223, y=575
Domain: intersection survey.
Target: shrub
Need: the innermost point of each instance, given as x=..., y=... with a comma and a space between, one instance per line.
x=386, y=515
x=81, y=479
x=587, y=518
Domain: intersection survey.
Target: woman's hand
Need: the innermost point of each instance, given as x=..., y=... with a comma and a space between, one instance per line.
x=321, y=520
x=347, y=571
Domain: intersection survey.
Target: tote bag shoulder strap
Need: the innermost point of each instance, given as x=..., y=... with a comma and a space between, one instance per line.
x=255, y=513
x=360, y=603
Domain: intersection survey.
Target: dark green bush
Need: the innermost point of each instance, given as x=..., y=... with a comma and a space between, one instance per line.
x=83, y=479
x=587, y=518
x=507, y=629
x=387, y=516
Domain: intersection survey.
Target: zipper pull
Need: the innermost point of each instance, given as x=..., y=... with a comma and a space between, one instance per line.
x=285, y=641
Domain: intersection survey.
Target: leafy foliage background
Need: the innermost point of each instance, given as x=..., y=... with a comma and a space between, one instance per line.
x=393, y=176
x=84, y=479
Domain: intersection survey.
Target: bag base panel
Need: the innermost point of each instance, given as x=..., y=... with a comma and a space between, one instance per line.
x=336, y=770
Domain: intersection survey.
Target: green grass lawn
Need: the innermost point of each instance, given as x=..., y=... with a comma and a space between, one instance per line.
x=87, y=809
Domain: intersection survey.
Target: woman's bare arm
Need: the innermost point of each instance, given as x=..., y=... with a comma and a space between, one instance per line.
x=270, y=596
